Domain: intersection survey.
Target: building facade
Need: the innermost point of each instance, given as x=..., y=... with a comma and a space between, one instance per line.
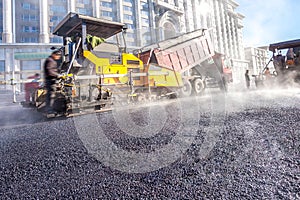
x=27, y=26
x=225, y=26
x=258, y=58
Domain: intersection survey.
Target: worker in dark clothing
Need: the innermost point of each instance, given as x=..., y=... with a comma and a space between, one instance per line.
x=247, y=78
x=51, y=75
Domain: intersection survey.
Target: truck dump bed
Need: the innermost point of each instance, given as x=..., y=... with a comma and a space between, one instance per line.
x=180, y=53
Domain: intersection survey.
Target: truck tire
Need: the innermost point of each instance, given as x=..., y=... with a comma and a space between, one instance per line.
x=198, y=86
x=187, y=89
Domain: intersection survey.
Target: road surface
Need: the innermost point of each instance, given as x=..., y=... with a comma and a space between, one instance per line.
x=233, y=146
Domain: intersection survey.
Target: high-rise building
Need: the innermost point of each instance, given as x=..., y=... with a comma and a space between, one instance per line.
x=258, y=58
x=225, y=26
x=27, y=26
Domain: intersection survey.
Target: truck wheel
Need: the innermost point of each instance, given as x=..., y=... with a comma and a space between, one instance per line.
x=187, y=88
x=199, y=86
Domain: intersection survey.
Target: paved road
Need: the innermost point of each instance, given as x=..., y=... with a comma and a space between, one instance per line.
x=237, y=146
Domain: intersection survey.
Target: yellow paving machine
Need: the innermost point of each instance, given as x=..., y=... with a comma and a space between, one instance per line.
x=98, y=71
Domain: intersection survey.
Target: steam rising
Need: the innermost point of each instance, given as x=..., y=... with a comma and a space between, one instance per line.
x=236, y=101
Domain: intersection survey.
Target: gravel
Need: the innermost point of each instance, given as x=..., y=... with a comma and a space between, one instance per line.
x=256, y=155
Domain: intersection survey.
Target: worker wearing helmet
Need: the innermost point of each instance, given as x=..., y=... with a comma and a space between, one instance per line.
x=51, y=75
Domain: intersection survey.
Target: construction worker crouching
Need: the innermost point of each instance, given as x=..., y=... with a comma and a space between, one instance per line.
x=51, y=75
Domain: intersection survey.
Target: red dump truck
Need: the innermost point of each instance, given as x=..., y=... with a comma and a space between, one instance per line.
x=193, y=55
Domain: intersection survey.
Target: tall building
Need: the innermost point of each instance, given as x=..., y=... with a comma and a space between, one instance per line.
x=258, y=58
x=27, y=26
x=225, y=26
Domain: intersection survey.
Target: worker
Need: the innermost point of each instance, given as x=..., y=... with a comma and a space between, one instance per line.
x=247, y=78
x=280, y=61
x=297, y=55
x=290, y=56
x=30, y=87
x=51, y=75
x=268, y=77
x=267, y=72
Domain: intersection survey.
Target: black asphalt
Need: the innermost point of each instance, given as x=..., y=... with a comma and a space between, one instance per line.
x=255, y=155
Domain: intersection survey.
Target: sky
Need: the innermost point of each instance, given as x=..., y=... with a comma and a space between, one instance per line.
x=269, y=21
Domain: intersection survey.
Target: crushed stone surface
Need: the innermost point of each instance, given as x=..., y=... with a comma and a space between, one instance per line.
x=254, y=155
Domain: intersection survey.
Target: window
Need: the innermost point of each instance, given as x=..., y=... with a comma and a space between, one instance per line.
x=106, y=4
x=25, y=18
x=28, y=17
x=29, y=39
x=30, y=29
x=127, y=8
x=34, y=29
x=106, y=14
x=128, y=17
x=33, y=17
x=130, y=26
x=25, y=29
x=26, y=6
x=56, y=40
x=129, y=1
x=84, y=11
x=31, y=65
x=145, y=21
x=146, y=13
x=145, y=6
x=60, y=9
x=55, y=18
x=84, y=1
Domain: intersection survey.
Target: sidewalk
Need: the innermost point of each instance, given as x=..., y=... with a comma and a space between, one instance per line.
x=12, y=114
x=7, y=98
